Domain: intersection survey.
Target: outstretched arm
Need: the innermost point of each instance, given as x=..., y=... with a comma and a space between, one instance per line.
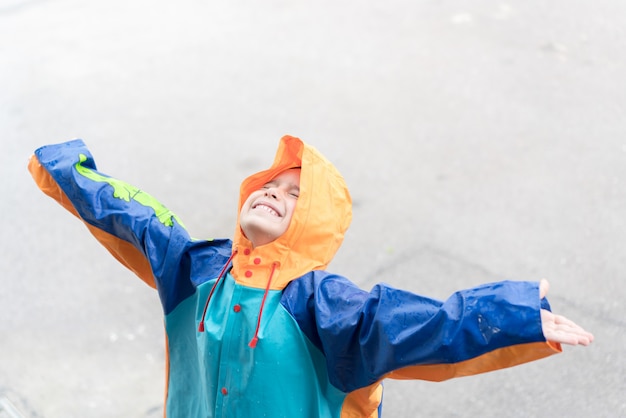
x=559, y=329
x=134, y=227
x=388, y=332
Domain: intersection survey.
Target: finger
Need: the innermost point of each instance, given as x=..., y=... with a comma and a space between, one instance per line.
x=581, y=334
x=566, y=323
x=559, y=334
x=557, y=328
x=568, y=339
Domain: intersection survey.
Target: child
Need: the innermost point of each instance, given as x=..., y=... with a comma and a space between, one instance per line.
x=257, y=327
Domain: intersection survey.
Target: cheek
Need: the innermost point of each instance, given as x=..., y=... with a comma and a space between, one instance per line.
x=248, y=201
x=291, y=208
x=245, y=208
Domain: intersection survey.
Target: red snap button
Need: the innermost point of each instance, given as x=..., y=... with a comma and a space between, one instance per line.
x=237, y=308
x=248, y=273
x=246, y=251
x=224, y=391
x=257, y=260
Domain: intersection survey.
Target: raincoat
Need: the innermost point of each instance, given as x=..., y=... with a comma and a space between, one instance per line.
x=267, y=331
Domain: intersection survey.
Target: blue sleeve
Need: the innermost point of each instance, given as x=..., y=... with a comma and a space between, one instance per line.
x=367, y=335
x=139, y=231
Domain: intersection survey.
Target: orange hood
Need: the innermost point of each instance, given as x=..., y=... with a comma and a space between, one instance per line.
x=322, y=215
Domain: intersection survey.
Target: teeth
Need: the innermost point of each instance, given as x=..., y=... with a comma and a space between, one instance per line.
x=267, y=209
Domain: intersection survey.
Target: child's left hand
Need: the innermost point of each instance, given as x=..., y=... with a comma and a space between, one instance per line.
x=559, y=329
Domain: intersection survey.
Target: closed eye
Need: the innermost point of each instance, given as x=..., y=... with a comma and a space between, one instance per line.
x=289, y=188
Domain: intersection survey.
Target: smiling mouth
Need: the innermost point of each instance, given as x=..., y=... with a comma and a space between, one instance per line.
x=267, y=209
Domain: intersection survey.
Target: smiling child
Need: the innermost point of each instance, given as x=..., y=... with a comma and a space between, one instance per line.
x=256, y=326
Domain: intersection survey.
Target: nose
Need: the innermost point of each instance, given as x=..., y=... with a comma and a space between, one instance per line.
x=271, y=192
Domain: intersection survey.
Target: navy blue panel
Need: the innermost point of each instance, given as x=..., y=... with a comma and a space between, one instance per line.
x=365, y=335
x=178, y=263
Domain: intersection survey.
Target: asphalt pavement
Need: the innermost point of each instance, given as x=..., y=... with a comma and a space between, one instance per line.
x=481, y=141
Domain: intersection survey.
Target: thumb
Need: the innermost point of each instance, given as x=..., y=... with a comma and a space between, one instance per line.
x=544, y=286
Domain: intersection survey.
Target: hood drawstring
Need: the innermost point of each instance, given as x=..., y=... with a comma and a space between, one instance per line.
x=219, y=278
x=255, y=339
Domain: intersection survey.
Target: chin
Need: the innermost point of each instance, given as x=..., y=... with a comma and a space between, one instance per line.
x=258, y=233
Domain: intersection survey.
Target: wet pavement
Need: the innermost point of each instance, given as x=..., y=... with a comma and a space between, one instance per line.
x=481, y=141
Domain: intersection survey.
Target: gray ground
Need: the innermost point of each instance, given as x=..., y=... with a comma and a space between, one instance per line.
x=480, y=140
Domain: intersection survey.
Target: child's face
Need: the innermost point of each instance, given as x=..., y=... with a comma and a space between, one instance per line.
x=267, y=212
